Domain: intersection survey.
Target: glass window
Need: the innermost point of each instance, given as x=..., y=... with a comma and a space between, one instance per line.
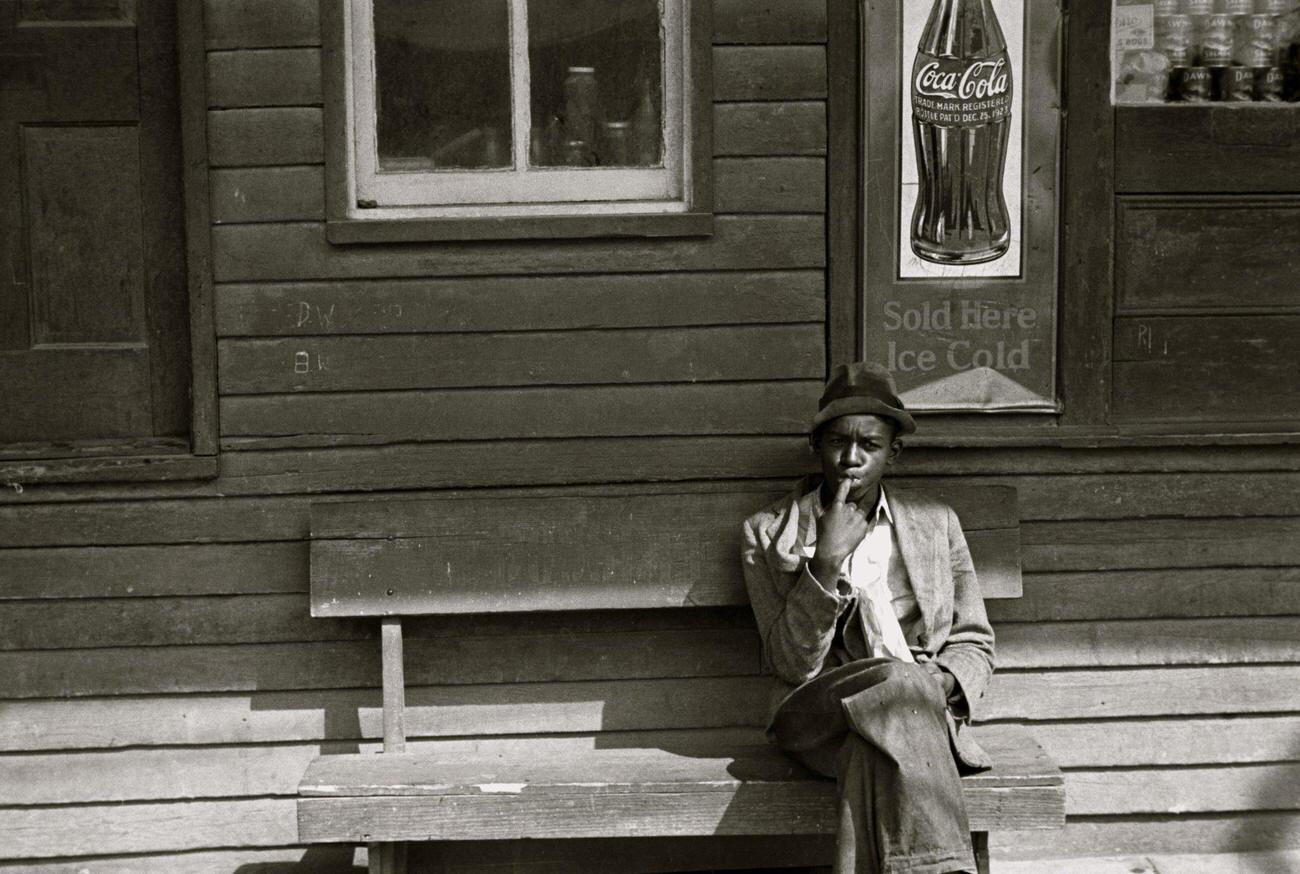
x=1200, y=51
x=482, y=107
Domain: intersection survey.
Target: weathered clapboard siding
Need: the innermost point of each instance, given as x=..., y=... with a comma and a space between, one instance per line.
x=161, y=685
x=416, y=361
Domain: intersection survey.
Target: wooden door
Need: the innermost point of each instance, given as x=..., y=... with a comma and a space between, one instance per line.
x=92, y=295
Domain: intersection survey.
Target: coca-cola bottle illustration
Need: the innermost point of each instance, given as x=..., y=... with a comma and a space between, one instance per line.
x=961, y=121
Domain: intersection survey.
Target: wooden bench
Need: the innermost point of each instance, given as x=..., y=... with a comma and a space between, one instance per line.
x=591, y=551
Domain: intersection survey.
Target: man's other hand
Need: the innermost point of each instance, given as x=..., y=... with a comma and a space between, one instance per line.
x=840, y=530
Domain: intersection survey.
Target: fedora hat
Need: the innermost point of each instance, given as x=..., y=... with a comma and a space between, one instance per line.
x=862, y=387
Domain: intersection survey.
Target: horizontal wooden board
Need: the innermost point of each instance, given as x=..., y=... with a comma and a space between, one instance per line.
x=789, y=185
x=258, y=137
x=261, y=23
x=602, y=706
x=786, y=128
x=296, y=193
x=134, y=572
x=265, y=77
x=155, y=522
x=1019, y=762
x=1149, y=642
x=1208, y=251
x=806, y=808
x=1207, y=148
x=534, y=358
x=1184, y=790
x=1170, y=691
x=276, y=860
x=267, y=194
x=292, y=77
x=1231, y=392
x=557, y=462
x=32, y=833
x=294, y=135
x=1160, y=544
x=1121, y=495
x=300, y=251
x=162, y=621
x=342, y=664
x=1169, y=741
x=1185, y=592
x=520, y=303
x=769, y=72
x=523, y=413
x=1178, y=833
x=791, y=21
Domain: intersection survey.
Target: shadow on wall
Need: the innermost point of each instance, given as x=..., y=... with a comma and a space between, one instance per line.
x=1275, y=793
x=315, y=860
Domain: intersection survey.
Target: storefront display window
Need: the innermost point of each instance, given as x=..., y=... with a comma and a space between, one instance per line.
x=516, y=109
x=1199, y=51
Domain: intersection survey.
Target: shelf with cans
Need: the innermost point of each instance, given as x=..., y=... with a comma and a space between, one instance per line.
x=1200, y=51
x=621, y=130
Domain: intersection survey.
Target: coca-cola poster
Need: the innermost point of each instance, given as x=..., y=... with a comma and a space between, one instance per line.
x=963, y=123
x=962, y=154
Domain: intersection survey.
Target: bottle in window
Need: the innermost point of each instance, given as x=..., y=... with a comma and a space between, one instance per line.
x=646, y=127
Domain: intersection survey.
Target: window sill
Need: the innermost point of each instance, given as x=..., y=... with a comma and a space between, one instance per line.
x=423, y=230
x=128, y=462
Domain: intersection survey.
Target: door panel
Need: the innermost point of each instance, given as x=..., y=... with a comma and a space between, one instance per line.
x=91, y=244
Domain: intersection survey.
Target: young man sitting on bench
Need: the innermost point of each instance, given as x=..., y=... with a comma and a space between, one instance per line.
x=868, y=607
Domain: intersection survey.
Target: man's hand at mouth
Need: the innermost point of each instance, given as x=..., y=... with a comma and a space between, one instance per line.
x=840, y=530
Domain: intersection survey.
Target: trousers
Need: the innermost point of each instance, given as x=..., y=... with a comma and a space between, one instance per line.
x=877, y=726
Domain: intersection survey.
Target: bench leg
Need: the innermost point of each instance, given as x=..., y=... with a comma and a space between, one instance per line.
x=980, y=842
x=387, y=858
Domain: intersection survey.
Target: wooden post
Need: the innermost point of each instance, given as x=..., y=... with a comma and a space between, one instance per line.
x=394, y=686
x=980, y=841
x=391, y=858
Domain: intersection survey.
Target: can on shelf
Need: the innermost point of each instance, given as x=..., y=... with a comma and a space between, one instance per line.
x=1236, y=7
x=1268, y=84
x=1273, y=7
x=1166, y=7
x=1216, y=40
x=1236, y=85
x=1197, y=7
x=1173, y=34
x=1192, y=84
x=1255, y=41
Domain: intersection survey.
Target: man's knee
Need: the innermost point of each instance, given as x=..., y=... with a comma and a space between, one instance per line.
x=910, y=683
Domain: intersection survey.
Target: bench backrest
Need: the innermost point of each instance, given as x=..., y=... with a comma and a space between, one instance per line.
x=614, y=548
x=584, y=551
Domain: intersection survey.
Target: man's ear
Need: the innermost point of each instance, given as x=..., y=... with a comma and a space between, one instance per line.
x=895, y=449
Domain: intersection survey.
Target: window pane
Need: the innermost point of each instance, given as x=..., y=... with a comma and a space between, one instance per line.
x=596, y=70
x=442, y=71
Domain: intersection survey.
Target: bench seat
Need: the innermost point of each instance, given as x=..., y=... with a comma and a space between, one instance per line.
x=631, y=792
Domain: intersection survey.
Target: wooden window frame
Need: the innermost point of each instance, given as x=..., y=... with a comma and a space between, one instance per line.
x=158, y=459
x=1086, y=305
x=407, y=217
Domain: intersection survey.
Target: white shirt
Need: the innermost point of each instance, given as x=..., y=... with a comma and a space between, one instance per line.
x=876, y=571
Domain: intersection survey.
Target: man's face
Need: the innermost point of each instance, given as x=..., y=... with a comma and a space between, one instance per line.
x=856, y=447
